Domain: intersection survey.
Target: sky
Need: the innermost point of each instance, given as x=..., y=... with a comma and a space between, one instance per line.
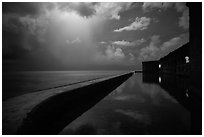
x=90, y=36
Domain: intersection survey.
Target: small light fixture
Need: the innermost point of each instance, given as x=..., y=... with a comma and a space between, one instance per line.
x=187, y=59
x=187, y=93
x=159, y=65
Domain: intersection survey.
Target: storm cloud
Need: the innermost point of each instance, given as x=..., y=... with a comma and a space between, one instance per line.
x=67, y=36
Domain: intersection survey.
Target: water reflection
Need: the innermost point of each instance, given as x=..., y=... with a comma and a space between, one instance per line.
x=142, y=105
x=178, y=87
x=185, y=93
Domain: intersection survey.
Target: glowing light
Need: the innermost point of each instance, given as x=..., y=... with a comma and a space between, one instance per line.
x=187, y=94
x=187, y=59
x=159, y=65
x=159, y=79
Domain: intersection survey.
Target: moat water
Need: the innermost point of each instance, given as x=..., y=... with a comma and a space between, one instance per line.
x=144, y=104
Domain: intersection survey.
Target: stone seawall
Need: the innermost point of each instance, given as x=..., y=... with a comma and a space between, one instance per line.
x=49, y=111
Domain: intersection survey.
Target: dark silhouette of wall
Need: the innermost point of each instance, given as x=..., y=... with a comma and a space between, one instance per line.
x=186, y=60
x=195, y=10
x=150, y=67
x=181, y=89
x=176, y=62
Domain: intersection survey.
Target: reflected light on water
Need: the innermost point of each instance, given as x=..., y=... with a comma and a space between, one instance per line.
x=187, y=95
x=159, y=79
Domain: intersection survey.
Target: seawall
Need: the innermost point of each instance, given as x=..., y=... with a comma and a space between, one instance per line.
x=48, y=112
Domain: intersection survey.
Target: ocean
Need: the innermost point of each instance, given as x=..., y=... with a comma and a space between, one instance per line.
x=22, y=82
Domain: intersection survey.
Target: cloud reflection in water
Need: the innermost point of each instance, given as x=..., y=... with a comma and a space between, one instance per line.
x=136, y=108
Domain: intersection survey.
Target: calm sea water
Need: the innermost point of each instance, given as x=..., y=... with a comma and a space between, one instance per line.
x=141, y=105
x=18, y=83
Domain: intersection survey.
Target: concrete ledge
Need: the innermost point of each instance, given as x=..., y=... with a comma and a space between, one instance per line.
x=48, y=112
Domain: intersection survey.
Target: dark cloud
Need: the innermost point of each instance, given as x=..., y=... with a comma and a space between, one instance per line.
x=22, y=8
x=18, y=45
x=10, y=22
x=12, y=48
x=83, y=9
x=21, y=29
x=19, y=37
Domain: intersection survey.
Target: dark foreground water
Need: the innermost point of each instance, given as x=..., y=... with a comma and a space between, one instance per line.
x=144, y=104
x=141, y=105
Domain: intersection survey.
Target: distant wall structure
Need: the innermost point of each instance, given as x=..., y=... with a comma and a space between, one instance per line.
x=150, y=67
x=186, y=60
x=176, y=62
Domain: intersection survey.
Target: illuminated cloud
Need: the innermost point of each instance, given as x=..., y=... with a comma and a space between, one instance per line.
x=127, y=43
x=184, y=19
x=139, y=24
x=149, y=52
x=75, y=41
x=114, y=53
x=172, y=42
x=111, y=55
x=156, y=49
x=123, y=43
x=139, y=41
x=102, y=42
